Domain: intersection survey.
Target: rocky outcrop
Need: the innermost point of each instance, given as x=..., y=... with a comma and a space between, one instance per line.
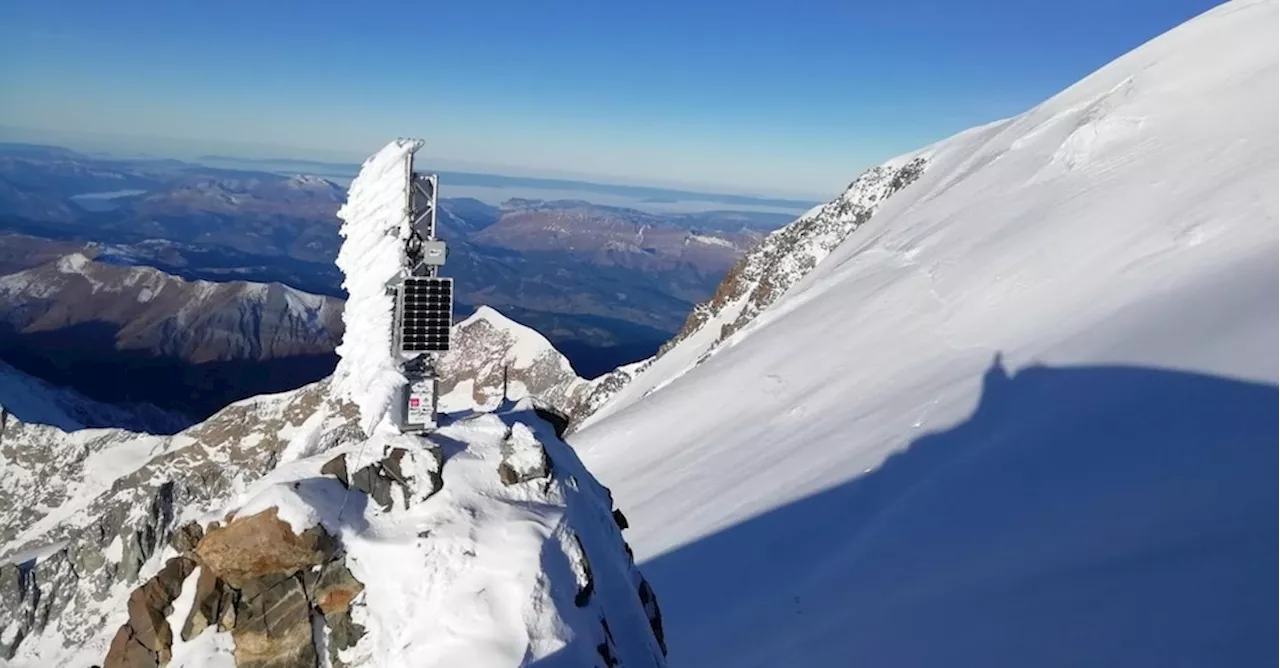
x=119, y=498
x=409, y=475
x=495, y=358
x=259, y=580
x=146, y=639
x=262, y=544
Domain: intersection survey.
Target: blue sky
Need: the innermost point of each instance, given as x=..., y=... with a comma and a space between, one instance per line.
x=771, y=97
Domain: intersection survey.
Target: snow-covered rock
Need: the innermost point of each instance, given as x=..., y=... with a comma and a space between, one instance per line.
x=852, y=480
x=493, y=354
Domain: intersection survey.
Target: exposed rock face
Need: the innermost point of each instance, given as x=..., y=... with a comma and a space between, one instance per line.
x=273, y=624
x=118, y=498
x=146, y=639
x=214, y=605
x=410, y=476
x=250, y=547
x=763, y=275
x=493, y=354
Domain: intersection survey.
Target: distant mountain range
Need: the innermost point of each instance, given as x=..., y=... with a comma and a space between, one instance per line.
x=607, y=284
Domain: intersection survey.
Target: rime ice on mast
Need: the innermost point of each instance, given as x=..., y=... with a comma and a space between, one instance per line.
x=398, y=311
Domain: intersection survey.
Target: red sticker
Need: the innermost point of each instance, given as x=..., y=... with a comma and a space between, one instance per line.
x=413, y=403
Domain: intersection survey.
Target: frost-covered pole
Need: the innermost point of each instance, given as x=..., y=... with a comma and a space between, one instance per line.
x=398, y=313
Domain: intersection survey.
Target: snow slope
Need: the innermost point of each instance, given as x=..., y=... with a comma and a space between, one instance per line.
x=1025, y=415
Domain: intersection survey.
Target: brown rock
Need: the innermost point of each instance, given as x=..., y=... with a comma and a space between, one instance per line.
x=273, y=624
x=337, y=467
x=213, y=600
x=153, y=601
x=127, y=652
x=335, y=588
x=185, y=539
x=250, y=547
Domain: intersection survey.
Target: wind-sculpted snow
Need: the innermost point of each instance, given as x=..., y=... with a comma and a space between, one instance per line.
x=1025, y=415
x=375, y=223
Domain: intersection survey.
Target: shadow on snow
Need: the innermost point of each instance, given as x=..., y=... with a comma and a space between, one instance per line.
x=1087, y=516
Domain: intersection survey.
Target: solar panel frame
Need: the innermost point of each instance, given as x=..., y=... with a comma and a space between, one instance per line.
x=425, y=314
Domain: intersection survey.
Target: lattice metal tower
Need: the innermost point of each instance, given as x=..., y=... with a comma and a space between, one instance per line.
x=423, y=306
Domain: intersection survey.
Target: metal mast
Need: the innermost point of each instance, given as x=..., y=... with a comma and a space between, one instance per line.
x=424, y=306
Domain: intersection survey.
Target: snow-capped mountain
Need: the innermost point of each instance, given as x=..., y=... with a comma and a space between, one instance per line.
x=126, y=333
x=35, y=401
x=1023, y=415
x=757, y=280
x=302, y=529
x=493, y=354
x=158, y=313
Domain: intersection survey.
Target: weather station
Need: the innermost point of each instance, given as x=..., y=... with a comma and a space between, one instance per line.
x=423, y=307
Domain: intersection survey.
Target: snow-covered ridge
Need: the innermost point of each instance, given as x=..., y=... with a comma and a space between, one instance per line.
x=759, y=279
x=1024, y=416
x=493, y=353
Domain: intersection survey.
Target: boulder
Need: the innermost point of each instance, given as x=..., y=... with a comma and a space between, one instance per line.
x=187, y=537
x=523, y=457
x=415, y=472
x=273, y=624
x=127, y=652
x=334, y=588
x=151, y=603
x=262, y=544
x=213, y=605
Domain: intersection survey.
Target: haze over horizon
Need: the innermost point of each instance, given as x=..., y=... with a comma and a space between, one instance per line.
x=744, y=100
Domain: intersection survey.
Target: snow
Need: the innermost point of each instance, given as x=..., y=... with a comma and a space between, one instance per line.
x=34, y=554
x=375, y=222
x=479, y=574
x=526, y=344
x=1024, y=416
x=74, y=263
x=711, y=241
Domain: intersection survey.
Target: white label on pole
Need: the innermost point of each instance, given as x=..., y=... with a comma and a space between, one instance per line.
x=421, y=409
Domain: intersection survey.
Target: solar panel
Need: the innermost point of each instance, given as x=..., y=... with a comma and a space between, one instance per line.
x=426, y=314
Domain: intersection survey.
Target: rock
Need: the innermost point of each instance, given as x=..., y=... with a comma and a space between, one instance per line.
x=415, y=472
x=262, y=544
x=127, y=652
x=523, y=457
x=335, y=587
x=343, y=634
x=273, y=624
x=651, y=610
x=337, y=467
x=558, y=420
x=151, y=603
x=213, y=602
x=185, y=539
x=372, y=481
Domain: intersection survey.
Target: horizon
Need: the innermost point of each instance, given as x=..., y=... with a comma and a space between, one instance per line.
x=741, y=100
